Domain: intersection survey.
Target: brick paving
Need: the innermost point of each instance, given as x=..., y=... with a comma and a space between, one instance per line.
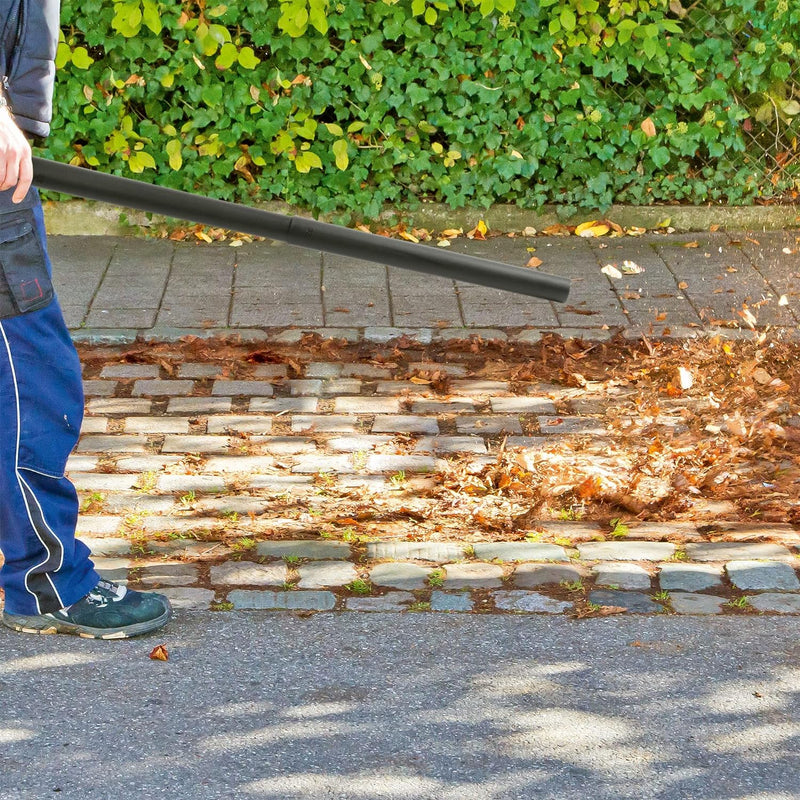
x=176, y=487
x=138, y=287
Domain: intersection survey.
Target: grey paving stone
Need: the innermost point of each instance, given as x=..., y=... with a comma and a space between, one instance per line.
x=522, y=405
x=304, y=549
x=99, y=388
x=633, y=601
x=622, y=576
x=101, y=482
x=306, y=405
x=777, y=603
x=173, y=388
x=323, y=369
x=356, y=443
x=270, y=371
x=533, y=602
x=454, y=370
x=112, y=443
x=294, y=336
x=472, y=576
x=187, y=598
x=761, y=575
x=520, y=551
x=177, y=574
x=451, y=406
x=476, y=386
x=94, y=425
x=686, y=603
x=444, y=601
x=200, y=370
x=98, y=525
x=299, y=387
x=383, y=334
x=195, y=444
x=281, y=483
x=248, y=388
x=157, y=425
x=240, y=464
x=400, y=576
x=450, y=444
x=529, y=576
x=405, y=424
x=248, y=572
x=366, y=405
x=324, y=424
x=736, y=551
x=364, y=371
x=76, y=463
x=392, y=463
x=626, y=551
x=487, y=426
x=149, y=463
x=190, y=549
x=321, y=463
x=256, y=425
x=440, y=552
x=130, y=371
x=341, y=386
x=107, y=547
x=199, y=405
x=318, y=574
x=550, y=426
x=448, y=334
x=286, y=445
x=288, y=601
x=689, y=577
x=391, y=601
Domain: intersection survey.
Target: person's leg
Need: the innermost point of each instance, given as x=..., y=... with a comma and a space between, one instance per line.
x=50, y=582
x=41, y=410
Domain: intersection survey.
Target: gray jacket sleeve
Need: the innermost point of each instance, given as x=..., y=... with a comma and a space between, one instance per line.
x=29, y=45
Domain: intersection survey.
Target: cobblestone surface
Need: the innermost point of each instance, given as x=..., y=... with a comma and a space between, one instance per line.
x=195, y=452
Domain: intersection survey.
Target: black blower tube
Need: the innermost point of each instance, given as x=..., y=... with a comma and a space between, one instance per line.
x=295, y=230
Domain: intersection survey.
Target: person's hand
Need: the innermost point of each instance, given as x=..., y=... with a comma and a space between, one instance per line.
x=16, y=167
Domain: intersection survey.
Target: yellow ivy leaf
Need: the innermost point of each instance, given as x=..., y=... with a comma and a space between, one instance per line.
x=340, y=151
x=174, y=153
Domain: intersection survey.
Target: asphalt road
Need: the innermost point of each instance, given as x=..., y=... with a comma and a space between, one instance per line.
x=402, y=707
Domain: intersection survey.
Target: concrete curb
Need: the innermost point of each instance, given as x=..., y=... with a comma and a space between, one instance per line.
x=90, y=218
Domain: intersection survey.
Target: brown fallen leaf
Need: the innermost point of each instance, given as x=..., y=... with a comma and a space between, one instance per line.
x=533, y=261
x=649, y=128
x=692, y=244
x=159, y=653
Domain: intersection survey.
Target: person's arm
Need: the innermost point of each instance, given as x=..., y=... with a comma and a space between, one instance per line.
x=16, y=167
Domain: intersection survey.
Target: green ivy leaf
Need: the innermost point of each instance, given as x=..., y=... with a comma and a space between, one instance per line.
x=660, y=156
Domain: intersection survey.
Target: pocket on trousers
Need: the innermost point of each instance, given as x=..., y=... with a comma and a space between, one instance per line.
x=25, y=283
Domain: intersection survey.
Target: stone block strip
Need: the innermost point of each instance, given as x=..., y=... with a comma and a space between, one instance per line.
x=519, y=551
x=737, y=551
x=283, y=601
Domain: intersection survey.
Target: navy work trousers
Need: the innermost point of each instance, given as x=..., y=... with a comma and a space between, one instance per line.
x=41, y=410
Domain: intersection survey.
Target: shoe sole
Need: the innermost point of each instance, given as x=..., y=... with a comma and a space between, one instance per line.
x=23, y=624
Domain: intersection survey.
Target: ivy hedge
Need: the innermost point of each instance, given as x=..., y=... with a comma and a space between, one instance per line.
x=344, y=107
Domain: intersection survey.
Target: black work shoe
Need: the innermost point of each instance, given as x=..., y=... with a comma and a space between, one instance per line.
x=109, y=611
